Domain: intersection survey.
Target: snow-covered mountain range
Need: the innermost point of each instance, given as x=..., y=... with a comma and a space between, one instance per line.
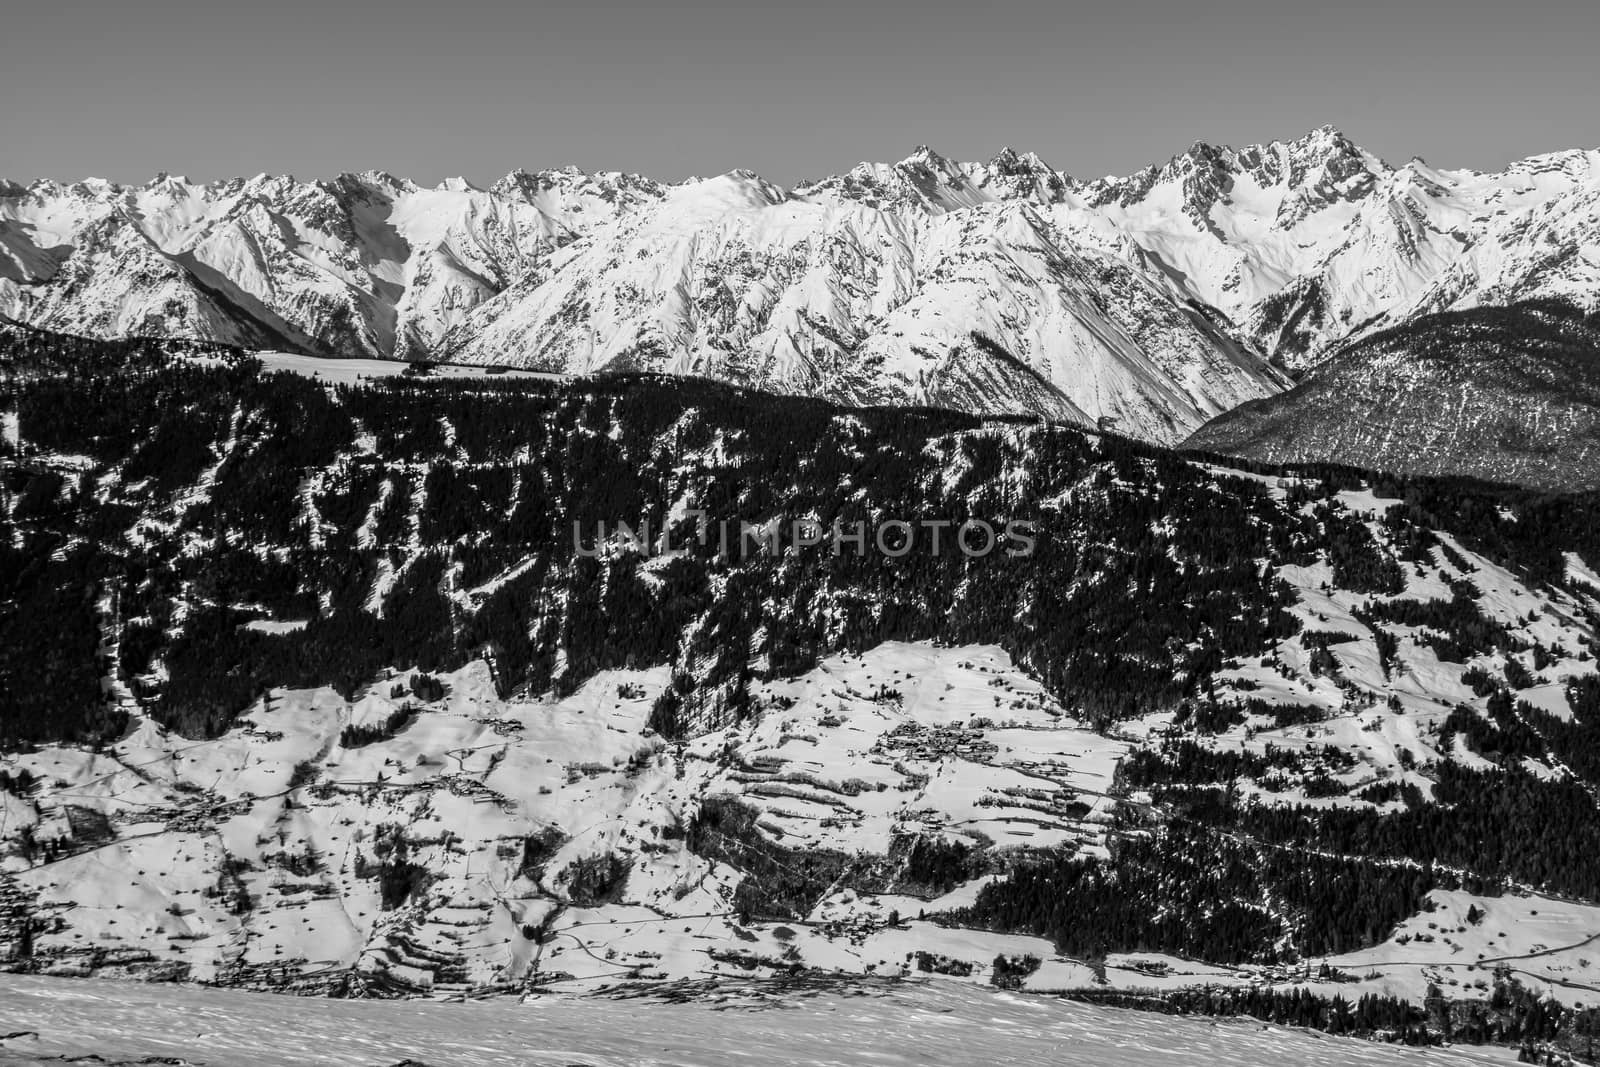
x=1154, y=300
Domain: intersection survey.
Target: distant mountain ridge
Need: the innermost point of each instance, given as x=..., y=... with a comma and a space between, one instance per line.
x=1504, y=394
x=1152, y=301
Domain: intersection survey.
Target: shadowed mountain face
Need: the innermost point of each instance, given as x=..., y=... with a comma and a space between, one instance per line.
x=1504, y=394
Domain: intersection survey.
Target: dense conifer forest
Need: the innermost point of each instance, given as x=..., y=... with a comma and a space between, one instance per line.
x=299, y=499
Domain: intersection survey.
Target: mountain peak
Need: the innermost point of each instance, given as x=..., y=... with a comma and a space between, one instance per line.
x=520, y=178
x=1324, y=142
x=371, y=179
x=1206, y=150
x=1009, y=160
x=171, y=182
x=923, y=156
x=1326, y=132
x=1017, y=175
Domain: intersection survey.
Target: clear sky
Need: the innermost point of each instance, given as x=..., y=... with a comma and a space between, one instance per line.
x=797, y=89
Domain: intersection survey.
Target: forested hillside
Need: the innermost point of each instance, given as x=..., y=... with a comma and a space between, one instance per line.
x=268, y=645
x=417, y=523
x=1509, y=394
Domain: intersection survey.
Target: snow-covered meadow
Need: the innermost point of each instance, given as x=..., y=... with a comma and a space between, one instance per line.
x=921, y=1024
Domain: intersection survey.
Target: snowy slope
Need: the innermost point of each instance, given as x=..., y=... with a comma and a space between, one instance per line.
x=359, y=265
x=926, y=294
x=1305, y=242
x=1549, y=251
x=486, y=775
x=126, y=1022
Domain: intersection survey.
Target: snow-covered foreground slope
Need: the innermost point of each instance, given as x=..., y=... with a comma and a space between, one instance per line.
x=912, y=1024
x=884, y=1024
